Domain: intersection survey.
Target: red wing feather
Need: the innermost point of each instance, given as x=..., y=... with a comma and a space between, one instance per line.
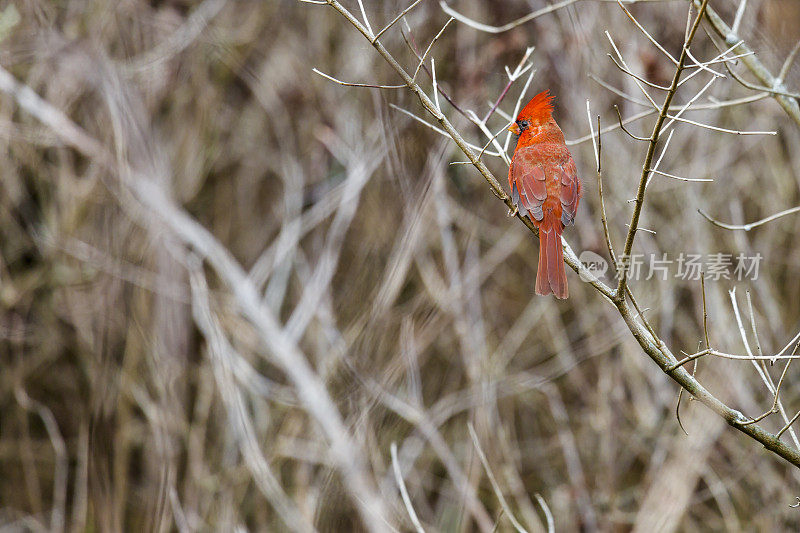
x=570, y=191
x=528, y=189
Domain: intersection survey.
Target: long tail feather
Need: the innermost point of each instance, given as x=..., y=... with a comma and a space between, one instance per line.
x=551, y=276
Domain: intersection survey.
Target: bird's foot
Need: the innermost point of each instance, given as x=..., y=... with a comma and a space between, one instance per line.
x=513, y=212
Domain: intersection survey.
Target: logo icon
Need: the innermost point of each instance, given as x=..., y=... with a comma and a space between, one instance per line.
x=596, y=266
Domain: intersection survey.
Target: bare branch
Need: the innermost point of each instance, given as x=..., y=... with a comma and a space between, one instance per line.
x=441, y=131
x=511, y=79
x=703, y=66
x=752, y=62
x=721, y=130
x=511, y=25
x=658, y=161
x=748, y=227
x=739, y=15
x=788, y=63
x=598, y=153
x=620, y=291
x=712, y=104
x=628, y=71
x=787, y=426
x=622, y=126
x=348, y=84
x=492, y=137
x=398, y=476
x=364, y=16
x=769, y=90
x=398, y=17
x=551, y=526
x=649, y=37
x=625, y=70
x=435, y=88
x=430, y=46
x=680, y=178
x=522, y=20
x=495, y=486
x=775, y=402
x=412, y=45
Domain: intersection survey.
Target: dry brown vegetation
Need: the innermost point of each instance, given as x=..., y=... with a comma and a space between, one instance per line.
x=354, y=291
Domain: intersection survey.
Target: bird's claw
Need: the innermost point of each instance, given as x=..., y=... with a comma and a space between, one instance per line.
x=513, y=212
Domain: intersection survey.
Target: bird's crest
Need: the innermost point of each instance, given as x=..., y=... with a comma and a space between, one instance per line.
x=539, y=107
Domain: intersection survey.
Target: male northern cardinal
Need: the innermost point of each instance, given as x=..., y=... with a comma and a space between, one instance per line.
x=545, y=186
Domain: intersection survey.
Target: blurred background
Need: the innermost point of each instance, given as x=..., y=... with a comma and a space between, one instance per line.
x=136, y=394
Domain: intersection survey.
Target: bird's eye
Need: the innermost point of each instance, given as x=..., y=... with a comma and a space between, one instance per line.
x=523, y=124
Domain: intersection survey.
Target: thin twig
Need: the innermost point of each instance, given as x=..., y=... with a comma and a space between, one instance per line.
x=736, y=357
x=649, y=37
x=678, y=412
x=752, y=62
x=721, y=130
x=754, y=87
x=519, y=71
x=628, y=70
x=658, y=161
x=788, y=63
x=439, y=130
x=551, y=525
x=412, y=45
x=753, y=323
x=492, y=480
x=622, y=126
x=599, y=160
x=788, y=425
x=775, y=402
x=348, y=84
x=712, y=104
x=492, y=137
x=640, y=314
x=748, y=227
x=678, y=406
x=398, y=476
x=435, y=88
x=680, y=178
x=702, y=66
x=705, y=310
x=688, y=104
x=430, y=46
x=394, y=21
x=511, y=25
x=364, y=15
x=522, y=20
x=719, y=58
x=739, y=15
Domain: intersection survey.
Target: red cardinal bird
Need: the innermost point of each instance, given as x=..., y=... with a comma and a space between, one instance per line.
x=545, y=186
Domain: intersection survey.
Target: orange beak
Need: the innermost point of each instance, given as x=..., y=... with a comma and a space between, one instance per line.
x=513, y=128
